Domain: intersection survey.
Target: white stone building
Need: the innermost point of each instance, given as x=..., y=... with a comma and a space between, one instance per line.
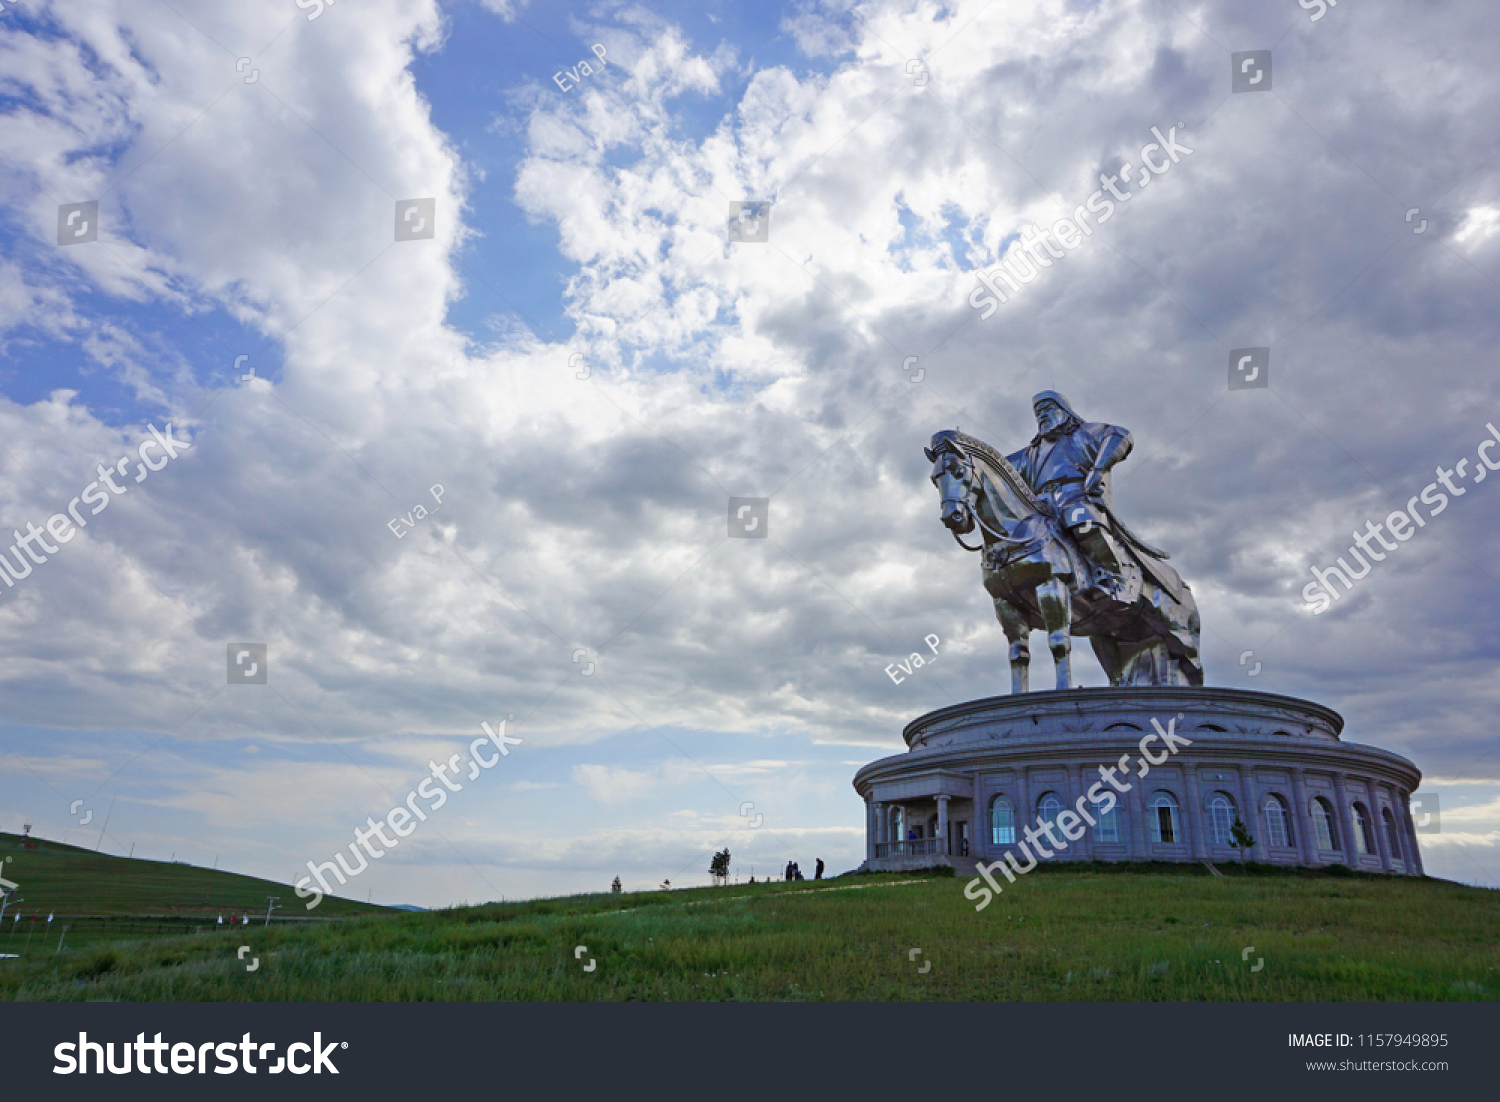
x=977, y=775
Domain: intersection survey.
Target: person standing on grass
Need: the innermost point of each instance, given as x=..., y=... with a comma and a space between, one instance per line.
x=818, y=872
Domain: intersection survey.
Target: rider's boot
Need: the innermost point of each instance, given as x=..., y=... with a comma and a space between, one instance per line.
x=1107, y=581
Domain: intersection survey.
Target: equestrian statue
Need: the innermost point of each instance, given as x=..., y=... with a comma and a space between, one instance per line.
x=1055, y=557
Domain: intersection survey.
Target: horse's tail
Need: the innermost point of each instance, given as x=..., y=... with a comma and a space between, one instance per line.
x=1130, y=537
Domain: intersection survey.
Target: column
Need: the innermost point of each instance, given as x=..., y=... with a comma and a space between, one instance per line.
x=979, y=823
x=1140, y=834
x=1346, y=817
x=1025, y=814
x=1192, y=816
x=1306, y=841
x=942, y=829
x=1250, y=813
x=1084, y=847
x=1415, y=864
x=1393, y=803
x=1377, y=824
x=880, y=824
x=871, y=826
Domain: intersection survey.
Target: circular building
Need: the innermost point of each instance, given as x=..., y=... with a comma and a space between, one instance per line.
x=1022, y=773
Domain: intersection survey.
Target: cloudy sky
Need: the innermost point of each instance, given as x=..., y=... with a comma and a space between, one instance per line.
x=578, y=355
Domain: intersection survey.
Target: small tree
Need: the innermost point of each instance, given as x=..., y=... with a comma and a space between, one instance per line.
x=617, y=887
x=1240, y=837
x=719, y=867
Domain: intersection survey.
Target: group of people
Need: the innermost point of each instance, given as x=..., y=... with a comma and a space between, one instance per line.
x=794, y=873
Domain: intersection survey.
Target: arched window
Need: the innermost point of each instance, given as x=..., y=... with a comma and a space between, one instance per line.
x=1002, y=821
x=1221, y=817
x=1392, y=835
x=1324, y=825
x=1108, y=829
x=1278, y=822
x=1165, y=825
x=1363, y=839
x=1048, y=808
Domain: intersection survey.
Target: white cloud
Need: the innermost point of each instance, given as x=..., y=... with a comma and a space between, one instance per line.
x=1480, y=224
x=508, y=10
x=591, y=513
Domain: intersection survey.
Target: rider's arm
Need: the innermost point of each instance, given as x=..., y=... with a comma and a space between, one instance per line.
x=1113, y=447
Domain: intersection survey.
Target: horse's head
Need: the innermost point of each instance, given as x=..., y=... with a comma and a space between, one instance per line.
x=953, y=475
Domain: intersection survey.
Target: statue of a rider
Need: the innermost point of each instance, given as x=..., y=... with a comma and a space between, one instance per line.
x=1068, y=463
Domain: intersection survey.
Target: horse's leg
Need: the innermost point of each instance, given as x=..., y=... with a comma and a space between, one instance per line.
x=1177, y=626
x=1108, y=653
x=1135, y=665
x=1020, y=644
x=1056, y=604
x=1192, y=662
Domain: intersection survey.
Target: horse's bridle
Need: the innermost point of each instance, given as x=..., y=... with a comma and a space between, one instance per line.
x=971, y=478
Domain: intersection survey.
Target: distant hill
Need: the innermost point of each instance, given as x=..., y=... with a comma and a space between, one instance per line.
x=54, y=878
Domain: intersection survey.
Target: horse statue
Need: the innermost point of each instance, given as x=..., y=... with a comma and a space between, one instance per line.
x=1143, y=633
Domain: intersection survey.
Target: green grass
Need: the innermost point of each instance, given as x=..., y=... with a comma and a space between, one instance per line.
x=104, y=898
x=1063, y=934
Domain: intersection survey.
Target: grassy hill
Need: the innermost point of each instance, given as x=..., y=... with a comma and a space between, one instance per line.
x=1077, y=933
x=105, y=898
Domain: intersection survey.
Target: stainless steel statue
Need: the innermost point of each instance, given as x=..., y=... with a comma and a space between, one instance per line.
x=1055, y=557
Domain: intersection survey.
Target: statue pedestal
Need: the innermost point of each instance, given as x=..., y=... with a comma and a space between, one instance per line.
x=978, y=774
